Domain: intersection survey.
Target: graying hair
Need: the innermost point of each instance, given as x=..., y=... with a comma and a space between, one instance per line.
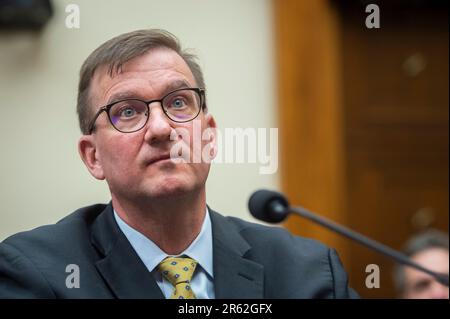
x=426, y=240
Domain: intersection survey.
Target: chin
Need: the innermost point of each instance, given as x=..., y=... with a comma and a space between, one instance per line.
x=169, y=188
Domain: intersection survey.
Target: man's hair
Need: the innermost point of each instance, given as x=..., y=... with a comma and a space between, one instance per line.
x=423, y=241
x=116, y=52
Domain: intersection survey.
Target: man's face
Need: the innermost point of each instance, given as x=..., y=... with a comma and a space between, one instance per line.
x=419, y=285
x=127, y=160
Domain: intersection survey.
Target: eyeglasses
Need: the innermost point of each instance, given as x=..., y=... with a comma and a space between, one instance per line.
x=131, y=115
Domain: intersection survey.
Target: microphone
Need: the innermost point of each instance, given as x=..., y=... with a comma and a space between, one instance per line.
x=273, y=207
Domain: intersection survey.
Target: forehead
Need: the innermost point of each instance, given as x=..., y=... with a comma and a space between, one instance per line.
x=435, y=259
x=151, y=71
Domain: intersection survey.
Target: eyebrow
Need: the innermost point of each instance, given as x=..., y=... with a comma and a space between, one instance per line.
x=172, y=86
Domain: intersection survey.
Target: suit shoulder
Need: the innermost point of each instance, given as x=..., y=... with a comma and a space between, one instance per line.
x=33, y=264
x=318, y=269
x=71, y=226
x=275, y=237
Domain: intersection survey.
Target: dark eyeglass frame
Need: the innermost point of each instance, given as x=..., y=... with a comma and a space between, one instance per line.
x=107, y=108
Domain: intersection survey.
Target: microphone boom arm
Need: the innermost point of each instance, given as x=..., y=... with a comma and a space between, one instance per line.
x=363, y=240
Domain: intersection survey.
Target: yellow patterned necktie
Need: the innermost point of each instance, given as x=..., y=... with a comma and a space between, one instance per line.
x=178, y=271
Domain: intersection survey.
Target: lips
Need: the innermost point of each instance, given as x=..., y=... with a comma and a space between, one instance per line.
x=159, y=158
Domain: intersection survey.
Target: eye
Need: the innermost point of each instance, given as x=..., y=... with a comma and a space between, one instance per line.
x=178, y=103
x=127, y=112
x=128, y=109
x=422, y=285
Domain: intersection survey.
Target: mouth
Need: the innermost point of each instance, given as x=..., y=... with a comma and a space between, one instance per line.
x=161, y=158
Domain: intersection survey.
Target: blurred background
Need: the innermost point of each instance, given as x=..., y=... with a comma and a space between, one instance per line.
x=362, y=112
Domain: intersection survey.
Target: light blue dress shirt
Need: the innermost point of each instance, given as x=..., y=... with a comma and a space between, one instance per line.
x=201, y=249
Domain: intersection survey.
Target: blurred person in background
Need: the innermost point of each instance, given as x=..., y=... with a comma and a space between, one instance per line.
x=430, y=250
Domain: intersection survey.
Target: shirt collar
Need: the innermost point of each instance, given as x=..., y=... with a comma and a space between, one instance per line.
x=201, y=249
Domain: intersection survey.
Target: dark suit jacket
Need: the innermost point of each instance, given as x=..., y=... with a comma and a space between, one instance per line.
x=249, y=261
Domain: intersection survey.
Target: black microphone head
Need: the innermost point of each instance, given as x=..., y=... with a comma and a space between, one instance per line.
x=268, y=206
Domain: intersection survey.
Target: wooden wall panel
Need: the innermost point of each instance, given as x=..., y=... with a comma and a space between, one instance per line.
x=310, y=114
x=363, y=118
x=395, y=82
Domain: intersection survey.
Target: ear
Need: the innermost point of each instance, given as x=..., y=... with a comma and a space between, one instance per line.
x=88, y=153
x=211, y=126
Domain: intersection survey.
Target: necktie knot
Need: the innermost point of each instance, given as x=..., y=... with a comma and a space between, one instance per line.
x=178, y=271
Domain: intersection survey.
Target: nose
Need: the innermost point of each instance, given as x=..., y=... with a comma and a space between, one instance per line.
x=158, y=127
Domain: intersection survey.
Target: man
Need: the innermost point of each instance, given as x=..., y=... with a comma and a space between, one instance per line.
x=430, y=250
x=140, y=99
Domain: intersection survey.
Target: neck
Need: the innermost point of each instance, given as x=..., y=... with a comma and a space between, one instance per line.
x=160, y=219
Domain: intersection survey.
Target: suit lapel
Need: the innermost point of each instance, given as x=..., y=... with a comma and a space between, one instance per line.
x=234, y=275
x=121, y=267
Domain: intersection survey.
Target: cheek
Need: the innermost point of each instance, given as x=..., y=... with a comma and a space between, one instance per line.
x=196, y=145
x=119, y=153
x=198, y=136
